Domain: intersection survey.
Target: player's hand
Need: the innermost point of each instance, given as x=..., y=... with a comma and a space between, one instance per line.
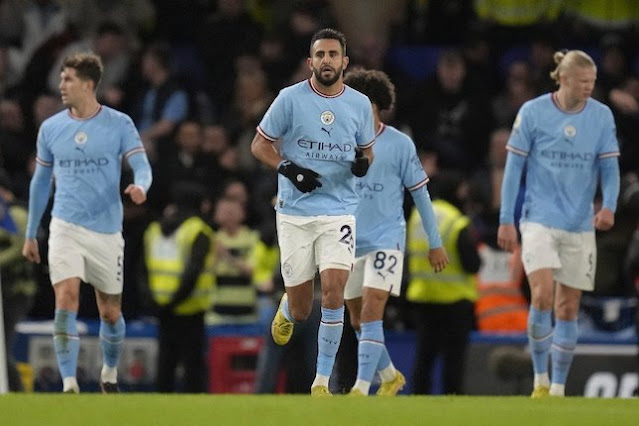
x=361, y=163
x=438, y=258
x=604, y=220
x=507, y=237
x=305, y=180
x=136, y=192
x=30, y=250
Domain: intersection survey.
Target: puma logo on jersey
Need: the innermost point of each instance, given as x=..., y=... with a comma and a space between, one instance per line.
x=327, y=131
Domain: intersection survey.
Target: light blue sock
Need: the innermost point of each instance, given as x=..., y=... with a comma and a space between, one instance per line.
x=328, y=339
x=540, y=338
x=384, y=357
x=369, y=350
x=563, y=348
x=66, y=342
x=111, y=339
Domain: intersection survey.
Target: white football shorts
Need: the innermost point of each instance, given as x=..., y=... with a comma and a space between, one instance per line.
x=96, y=258
x=572, y=255
x=380, y=269
x=311, y=242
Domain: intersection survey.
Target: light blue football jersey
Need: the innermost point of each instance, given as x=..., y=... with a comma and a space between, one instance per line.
x=320, y=133
x=380, y=214
x=86, y=156
x=562, y=151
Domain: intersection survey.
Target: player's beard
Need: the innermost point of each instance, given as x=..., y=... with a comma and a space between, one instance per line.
x=328, y=81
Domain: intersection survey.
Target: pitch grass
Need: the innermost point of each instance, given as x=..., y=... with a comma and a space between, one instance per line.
x=215, y=410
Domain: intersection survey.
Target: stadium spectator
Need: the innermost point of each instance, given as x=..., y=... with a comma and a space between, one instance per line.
x=235, y=246
x=315, y=218
x=450, y=118
x=566, y=140
x=381, y=235
x=85, y=242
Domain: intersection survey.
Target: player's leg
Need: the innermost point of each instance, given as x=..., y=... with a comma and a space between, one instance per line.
x=112, y=332
x=297, y=259
x=66, y=269
x=371, y=338
x=565, y=337
x=540, y=257
x=104, y=271
x=335, y=255
x=578, y=256
x=66, y=340
x=383, y=278
x=540, y=330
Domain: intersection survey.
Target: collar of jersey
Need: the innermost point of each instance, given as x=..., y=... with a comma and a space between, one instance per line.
x=324, y=95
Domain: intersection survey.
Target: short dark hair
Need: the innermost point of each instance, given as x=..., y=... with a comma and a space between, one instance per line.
x=88, y=66
x=329, y=33
x=374, y=84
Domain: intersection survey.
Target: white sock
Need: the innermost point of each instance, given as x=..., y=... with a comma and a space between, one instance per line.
x=362, y=385
x=70, y=383
x=320, y=380
x=388, y=374
x=557, y=390
x=109, y=374
x=542, y=380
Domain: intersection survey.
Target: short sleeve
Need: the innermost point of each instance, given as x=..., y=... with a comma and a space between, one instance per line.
x=366, y=134
x=274, y=123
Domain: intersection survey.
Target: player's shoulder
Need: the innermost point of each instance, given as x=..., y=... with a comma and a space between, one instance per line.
x=398, y=137
x=599, y=107
x=115, y=114
x=541, y=101
x=356, y=95
x=295, y=88
x=55, y=119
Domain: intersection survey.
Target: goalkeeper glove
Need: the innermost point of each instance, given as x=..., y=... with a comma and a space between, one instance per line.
x=304, y=179
x=361, y=164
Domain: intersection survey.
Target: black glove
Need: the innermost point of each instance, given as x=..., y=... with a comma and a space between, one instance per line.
x=361, y=164
x=304, y=179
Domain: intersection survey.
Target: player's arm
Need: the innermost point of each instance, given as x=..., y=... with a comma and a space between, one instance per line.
x=507, y=234
x=437, y=255
x=39, y=192
x=610, y=183
x=305, y=180
x=142, y=175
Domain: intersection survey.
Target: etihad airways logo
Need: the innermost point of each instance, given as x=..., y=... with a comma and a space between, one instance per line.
x=327, y=151
x=83, y=166
x=568, y=160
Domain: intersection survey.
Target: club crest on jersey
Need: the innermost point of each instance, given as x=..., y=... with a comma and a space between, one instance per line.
x=570, y=131
x=81, y=138
x=327, y=118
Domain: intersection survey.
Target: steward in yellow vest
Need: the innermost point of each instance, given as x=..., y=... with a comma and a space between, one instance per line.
x=179, y=258
x=180, y=266
x=442, y=302
x=454, y=283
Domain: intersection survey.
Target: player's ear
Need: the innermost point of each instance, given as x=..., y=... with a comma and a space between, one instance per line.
x=345, y=62
x=309, y=62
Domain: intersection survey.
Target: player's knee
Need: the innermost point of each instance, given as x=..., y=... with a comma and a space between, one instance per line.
x=110, y=315
x=299, y=314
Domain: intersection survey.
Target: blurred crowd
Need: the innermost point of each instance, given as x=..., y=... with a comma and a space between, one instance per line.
x=197, y=76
